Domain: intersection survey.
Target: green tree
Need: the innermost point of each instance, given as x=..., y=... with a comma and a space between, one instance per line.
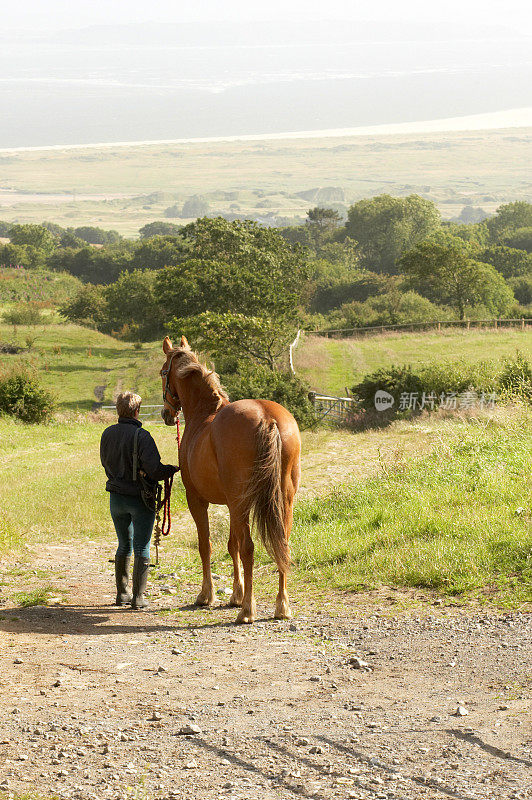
x=87, y=307
x=93, y=235
x=521, y=239
x=23, y=255
x=36, y=236
x=195, y=207
x=263, y=340
x=385, y=227
x=157, y=252
x=322, y=223
x=159, y=228
x=447, y=272
x=509, y=218
x=131, y=307
x=507, y=260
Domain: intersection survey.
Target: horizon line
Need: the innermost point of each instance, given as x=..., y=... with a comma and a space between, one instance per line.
x=496, y=120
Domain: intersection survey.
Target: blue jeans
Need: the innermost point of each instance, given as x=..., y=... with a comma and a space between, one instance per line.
x=133, y=524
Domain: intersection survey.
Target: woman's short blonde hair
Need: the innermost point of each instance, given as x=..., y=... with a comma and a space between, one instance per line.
x=127, y=404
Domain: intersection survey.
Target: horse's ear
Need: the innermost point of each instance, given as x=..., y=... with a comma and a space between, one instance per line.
x=167, y=345
x=184, y=344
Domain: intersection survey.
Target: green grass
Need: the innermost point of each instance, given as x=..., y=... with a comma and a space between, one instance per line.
x=36, y=597
x=329, y=365
x=73, y=361
x=457, y=521
x=53, y=485
x=441, y=516
x=481, y=167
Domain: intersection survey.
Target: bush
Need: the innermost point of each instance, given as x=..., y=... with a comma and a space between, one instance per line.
x=22, y=396
x=427, y=384
x=282, y=387
x=515, y=379
x=24, y=314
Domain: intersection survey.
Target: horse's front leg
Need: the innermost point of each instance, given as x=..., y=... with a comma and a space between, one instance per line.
x=240, y=528
x=198, y=508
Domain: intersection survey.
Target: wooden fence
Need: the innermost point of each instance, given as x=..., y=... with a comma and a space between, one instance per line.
x=329, y=407
x=466, y=324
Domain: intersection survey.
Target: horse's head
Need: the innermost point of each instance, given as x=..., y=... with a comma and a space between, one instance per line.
x=171, y=401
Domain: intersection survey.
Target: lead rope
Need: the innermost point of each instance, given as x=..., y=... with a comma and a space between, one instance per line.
x=164, y=503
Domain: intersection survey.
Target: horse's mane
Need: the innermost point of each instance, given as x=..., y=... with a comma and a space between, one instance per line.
x=188, y=363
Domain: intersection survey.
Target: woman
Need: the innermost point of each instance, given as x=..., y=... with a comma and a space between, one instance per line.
x=133, y=520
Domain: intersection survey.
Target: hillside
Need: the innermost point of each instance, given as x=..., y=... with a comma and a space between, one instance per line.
x=82, y=367
x=331, y=365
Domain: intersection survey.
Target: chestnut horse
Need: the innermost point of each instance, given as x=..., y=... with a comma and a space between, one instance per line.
x=244, y=455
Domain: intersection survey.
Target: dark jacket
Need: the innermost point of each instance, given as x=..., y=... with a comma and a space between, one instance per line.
x=116, y=454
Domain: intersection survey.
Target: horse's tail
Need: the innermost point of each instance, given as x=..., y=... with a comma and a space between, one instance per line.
x=265, y=495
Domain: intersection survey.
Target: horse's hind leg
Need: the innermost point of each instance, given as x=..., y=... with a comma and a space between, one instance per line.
x=240, y=527
x=282, y=604
x=198, y=508
x=238, y=585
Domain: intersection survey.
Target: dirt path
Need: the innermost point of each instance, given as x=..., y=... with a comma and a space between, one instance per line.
x=94, y=697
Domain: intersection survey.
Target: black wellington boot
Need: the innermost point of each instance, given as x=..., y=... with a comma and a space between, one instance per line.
x=123, y=598
x=141, y=567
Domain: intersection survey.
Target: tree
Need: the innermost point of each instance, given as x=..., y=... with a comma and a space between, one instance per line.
x=93, y=235
x=247, y=268
x=132, y=310
x=36, y=236
x=263, y=340
x=157, y=252
x=385, y=227
x=87, y=307
x=509, y=218
x=159, y=229
x=508, y=261
x=23, y=255
x=195, y=207
x=446, y=272
x=521, y=239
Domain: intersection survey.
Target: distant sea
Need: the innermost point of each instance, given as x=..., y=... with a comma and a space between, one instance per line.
x=68, y=93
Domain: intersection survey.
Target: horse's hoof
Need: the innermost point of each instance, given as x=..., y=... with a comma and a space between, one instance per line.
x=236, y=599
x=283, y=613
x=203, y=600
x=282, y=609
x=246, y=616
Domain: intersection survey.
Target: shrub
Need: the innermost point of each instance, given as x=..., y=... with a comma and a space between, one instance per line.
x=282, y=387
x=515, y=379
x=22, y=396
x=432, y=381
x=24, y=314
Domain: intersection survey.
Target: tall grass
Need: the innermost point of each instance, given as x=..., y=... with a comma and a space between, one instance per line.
x=457, y=521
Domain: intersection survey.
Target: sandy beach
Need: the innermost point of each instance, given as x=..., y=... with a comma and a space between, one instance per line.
x=511, y=118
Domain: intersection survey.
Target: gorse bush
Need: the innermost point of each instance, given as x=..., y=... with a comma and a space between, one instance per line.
x=23, y=397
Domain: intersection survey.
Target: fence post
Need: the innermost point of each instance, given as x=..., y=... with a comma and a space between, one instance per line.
x=468, y=324
x=439, y=326
x=496, y=321
x=522, y=323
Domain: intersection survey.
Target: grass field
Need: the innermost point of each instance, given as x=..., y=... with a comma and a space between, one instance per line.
x=440, y=506
x=117, y=187
x=83, y=367
x=331, y=365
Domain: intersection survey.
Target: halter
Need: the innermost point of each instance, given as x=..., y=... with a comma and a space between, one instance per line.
x=167, y=390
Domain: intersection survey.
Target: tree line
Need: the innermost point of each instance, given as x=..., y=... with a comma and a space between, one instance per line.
x=242, y=290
